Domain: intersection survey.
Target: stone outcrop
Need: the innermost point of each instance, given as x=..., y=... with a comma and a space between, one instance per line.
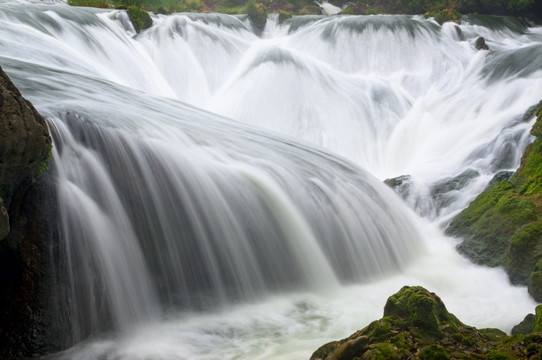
x=503, y=225
x=416, y=325
x=25, y=147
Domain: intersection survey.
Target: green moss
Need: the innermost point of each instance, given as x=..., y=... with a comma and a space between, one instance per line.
x=44, y=165
x=433, y=352
x=529, y=175
x=494, y=354
x=347, y=11
x=443, y=16
x=524, y=252
x=525, y=326
x=139, y=18
x=90, y=3
x=325, y=350
x=537, y=326
x=257, y=15
x=383, y=351
x=422, y=309
x=489, y=222
x=283, y=16
x=417, y=325
x=503, y=225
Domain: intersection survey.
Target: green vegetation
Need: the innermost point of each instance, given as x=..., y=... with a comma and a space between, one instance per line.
x=441, y=10
x=283, y=16
x=157, y=6
x=257, y=14
x=90, y=3
x=44, y=165
x=416, y=325
x=503, y=225
x=139, y=18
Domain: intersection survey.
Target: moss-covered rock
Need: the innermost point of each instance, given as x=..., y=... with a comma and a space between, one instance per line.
x=525, y=326
x=139, y=18
x=535, y=281
x=503, y=225
x=284, y=15
x=257, y=14
x=417, y=325
x=444, y=15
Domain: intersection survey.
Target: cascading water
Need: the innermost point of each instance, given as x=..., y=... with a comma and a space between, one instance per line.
x=185, y=234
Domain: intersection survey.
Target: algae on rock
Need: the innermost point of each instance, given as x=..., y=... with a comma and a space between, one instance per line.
x=416, y=325
x=140, y=18
x=503, y=225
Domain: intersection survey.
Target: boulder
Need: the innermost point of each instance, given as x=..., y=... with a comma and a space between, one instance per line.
x=480, y=43
x=139, y=18
x=416, y=325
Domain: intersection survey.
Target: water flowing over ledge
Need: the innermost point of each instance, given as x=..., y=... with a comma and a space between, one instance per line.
x=199, y=223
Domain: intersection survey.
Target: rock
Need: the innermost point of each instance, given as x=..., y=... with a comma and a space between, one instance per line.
x=537, y=326
x=257, y=15
x=25, y=148
x=24, y=142
x=400, y=185
x=416, y=325
x=440, y=191
x=459, y=33
x=535, y=281
x=139, y=18
x=420, y=308
x=503, y=225
x=480, y=43
x=525, y=326
x=4, y=221
x=500, y=176
x=284, y=15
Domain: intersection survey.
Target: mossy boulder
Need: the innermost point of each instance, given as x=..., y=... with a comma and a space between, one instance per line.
x=139, y=18
x=417, y=325
x=525, y=326
x=503, y=225
x=257, y=14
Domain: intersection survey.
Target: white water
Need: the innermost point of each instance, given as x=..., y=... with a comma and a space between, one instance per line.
x=195, y=236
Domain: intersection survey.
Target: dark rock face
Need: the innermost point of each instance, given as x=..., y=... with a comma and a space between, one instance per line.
x=25, y=146
x=480, y=44
x=24, y=143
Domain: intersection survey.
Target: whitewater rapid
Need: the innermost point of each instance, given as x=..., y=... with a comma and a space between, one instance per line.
x=220, y=194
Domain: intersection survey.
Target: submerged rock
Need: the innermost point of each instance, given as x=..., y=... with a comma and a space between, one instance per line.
x=417, y=325
x=400, y=184
x=480, y=43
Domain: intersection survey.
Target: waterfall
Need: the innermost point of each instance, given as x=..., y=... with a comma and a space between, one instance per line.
x=214, y=187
